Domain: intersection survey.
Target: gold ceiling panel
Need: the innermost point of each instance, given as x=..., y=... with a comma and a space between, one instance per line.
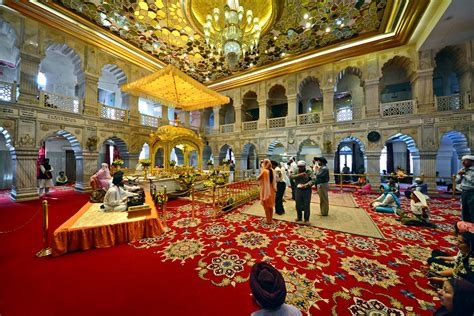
x=163, y=32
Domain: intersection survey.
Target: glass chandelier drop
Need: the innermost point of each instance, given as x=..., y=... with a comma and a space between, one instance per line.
x=239, y=35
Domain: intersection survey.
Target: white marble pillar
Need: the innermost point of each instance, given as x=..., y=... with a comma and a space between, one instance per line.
x=29, y=68
x=134, y=112
x=217, y=119
x=372, y=98
x=422, y=90
x=291, y=119
x=89, y=162
x=186, y=119
x=262, y=114
x=25, y=183
x=164, y=115
x=91, y=106
x=328, y=105
x=238, y=118
x=428, y=168
x=330, y=164
x=373, y=168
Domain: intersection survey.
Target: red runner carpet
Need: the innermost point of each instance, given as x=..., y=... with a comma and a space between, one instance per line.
x=203, y=270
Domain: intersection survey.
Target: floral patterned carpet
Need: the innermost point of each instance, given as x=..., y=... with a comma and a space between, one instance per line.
x=326, y=272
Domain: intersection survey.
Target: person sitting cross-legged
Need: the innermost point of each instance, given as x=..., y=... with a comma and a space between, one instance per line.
x=61, y=179
x=420, y=212
x=387, y=202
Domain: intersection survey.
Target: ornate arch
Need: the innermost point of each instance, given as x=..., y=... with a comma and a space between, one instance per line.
x=403, y=62
x=272, y=145
x=459, y=141
x=351, y=138
x=407, y=139
x=350, y=70
x=9, y=141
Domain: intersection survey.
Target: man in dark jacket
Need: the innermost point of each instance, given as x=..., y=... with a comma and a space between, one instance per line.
x=322, y=184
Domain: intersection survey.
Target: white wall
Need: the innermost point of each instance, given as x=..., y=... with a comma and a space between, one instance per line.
x=447, y=162
x=59, y=72
x=400, y=155
x=108, y=82
x=56, y=152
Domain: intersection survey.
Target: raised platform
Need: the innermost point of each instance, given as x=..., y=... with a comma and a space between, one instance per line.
x=91, y=228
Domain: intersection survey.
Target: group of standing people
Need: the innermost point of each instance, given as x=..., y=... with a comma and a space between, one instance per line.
x=274, y=179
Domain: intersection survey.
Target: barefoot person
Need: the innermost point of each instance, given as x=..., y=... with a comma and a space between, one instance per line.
x=267, y=182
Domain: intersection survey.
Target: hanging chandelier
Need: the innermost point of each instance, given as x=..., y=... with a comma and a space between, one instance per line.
x=239, y=34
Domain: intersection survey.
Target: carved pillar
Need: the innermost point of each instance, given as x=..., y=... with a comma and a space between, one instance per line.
x=186, y=119
x=330, y=159
x=262, y=114
x=88, y=162
x=428, y=168
x=217, y=118
x=373, y=168
x=422, y=89
x=164, y=115
x=238, y=162
x=328, y=105
x=372, y=98
x=133, y=108
x=91, y=106
x=238, y=118
x=25, y=183
x=133, y=160
x=292, y=111
x=29, y=68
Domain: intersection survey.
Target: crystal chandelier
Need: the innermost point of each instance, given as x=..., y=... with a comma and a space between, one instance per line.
x=239, y=35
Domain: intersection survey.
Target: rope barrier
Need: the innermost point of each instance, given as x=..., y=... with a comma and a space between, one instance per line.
x=22, y=225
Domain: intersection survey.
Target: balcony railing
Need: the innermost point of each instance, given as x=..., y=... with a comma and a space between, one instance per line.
x=7, y=91
x=113, y=113
x=449, y=103
x=60, y=102
x=149, y=120
x=397, y=108
x=276, y=122
x=250, y=126
x=309, y=118
x=227, y=128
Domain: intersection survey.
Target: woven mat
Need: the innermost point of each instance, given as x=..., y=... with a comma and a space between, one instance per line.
x=343, y=219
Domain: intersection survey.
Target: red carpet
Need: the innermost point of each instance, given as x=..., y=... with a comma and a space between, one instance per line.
x=203, y=270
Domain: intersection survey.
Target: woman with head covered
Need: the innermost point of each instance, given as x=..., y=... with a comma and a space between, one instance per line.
x=268, y=187
x=101, y=179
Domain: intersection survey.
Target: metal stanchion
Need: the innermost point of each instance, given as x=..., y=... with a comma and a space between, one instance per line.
x=340, y=182
x=46, y=251
x=192, y=202
x=453, y=179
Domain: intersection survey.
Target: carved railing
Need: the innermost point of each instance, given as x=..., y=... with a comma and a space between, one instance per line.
x=309, y=118
x=250, y=126
x=344, y=114
x=113, y=113
x=276, y=122
x=7, y=91
x=397, y=108
x=149, y=120
x=449, y=103
x=227, y=128
x=60, y=102
x=209, y=130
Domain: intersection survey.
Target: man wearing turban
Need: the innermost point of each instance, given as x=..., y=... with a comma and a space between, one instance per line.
x=269, y=290
x=465, y=182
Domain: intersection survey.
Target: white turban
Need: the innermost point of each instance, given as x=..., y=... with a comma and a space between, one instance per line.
x=468, y=157
x=301, y=163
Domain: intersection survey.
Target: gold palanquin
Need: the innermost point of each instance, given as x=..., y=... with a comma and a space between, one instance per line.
x=167, y=137
x=172, y=87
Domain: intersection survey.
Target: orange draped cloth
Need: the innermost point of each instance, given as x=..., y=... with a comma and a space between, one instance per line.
x=267, y=189
x=77, y=234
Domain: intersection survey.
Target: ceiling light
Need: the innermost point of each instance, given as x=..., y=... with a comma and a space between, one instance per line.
x=240, y=34
x=306, y=16
x=328, y=29
x=308, y=25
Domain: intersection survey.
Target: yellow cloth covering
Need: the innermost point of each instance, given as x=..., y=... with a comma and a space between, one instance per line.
x=90, y=228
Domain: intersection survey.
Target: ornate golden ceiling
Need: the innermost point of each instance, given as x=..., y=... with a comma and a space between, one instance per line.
x=169, y=29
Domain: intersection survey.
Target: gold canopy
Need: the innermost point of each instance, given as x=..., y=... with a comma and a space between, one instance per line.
x=172, y=87
x=168, y=136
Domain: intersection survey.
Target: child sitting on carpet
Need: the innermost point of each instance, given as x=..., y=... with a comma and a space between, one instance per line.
x=420, y=211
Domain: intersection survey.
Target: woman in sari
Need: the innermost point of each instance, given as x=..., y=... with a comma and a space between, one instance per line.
x=267, y=182
x=102, y=178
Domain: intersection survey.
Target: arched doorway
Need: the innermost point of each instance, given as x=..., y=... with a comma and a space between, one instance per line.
x=226, y=152
x=277, y=152
x=145, y=152
x=400, y=151
x=348, y=95
x=452, y=146
x=64, y=151
x=177, y=155
x=250, y=108
x=277, y=102
x=159, y=158
x=351, y=153
x=310, y=100
x=395, y=84
x=9, y=61
x=207, y=156
x=61, y=78
x=307, y=150
x=249, y=157
x=113, y=148
x=7, y=155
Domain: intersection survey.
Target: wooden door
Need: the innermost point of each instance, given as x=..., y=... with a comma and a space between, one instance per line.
x=70, y=166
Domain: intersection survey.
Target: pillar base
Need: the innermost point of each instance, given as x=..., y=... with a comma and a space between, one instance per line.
x=82, y=187
x=24, y=195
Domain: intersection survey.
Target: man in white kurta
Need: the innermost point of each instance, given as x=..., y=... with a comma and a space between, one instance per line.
x=115, y=199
